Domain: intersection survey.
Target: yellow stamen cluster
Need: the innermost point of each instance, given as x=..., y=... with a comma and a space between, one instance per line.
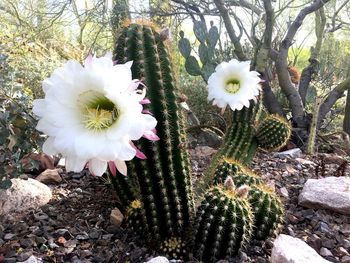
x=232, y=86
x=98, y=119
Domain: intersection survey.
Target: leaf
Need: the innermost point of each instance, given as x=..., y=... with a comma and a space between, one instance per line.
x=213, y=36
x=185, y=47
x=192, y=66
x=5, y=184
x=203, y=53
x=200, y=31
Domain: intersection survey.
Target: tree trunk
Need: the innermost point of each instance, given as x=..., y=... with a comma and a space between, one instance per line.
x=346, y=122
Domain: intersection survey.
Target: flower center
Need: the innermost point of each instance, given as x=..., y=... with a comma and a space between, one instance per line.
x=98, y=112
x=232, y=86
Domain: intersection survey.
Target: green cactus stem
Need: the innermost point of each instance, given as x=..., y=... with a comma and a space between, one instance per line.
x=224, y=223
x=164, y=177
x=273, y=132
x=268, y=211
x=174, y=248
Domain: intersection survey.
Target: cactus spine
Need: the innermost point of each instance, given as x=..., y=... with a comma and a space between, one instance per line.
x=268, y=211
x=164, y=177
x=273, y=132
x=224, y=223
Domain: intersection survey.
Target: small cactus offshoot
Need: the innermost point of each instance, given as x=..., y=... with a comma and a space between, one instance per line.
x=268, y=211
x=273, y=132
x=224, y=222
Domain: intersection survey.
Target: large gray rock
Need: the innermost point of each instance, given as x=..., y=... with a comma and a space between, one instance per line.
x=331, y=193
x=158, y=260
x=22, y=195
x=289, y=249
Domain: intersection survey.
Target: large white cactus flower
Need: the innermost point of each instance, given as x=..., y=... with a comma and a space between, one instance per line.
x=92, y=113
x=234, y=84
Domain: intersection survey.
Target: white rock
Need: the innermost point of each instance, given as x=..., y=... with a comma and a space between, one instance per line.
x=158, y=260
x=50, y=176
x=293, y=153
x=33, y=259
x=116, y=217
x=22, y=195
x=289, y=249
x=331, y=193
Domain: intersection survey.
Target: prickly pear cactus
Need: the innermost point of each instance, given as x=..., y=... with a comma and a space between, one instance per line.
x=206, y=50
x=224, y=223
x=163, y=179
x=273, y=132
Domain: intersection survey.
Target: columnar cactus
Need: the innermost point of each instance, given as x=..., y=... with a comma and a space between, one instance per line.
x=164, y=177
x=224, y=223
x=273, y=132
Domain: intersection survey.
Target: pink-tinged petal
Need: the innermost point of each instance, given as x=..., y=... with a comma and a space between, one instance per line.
x=150, y=135
x=112, y=168
x=88, y=60
x=115, y=62
x=145, y=101
x=146, y=112
x=139, y=154
x=121, y=167
x=134, y=84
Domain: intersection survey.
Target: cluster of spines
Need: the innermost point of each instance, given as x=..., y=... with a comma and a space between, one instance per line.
x=268, y=211
x=224, y=224
x=273, y=132
x=174, y=248
x=164, y=178
x=135, y=218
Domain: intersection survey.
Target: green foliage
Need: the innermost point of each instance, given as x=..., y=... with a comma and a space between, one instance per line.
x=206, y=50
x=223, y=225
x=163, y=178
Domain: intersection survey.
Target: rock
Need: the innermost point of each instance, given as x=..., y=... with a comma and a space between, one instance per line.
x=158, y=260
x=284, y=192
x=9, y=236
x=293, y=153
x=331, y=193
x=340, y=251
x=345, y=229
x=325, y=252
x=116, y=217
x=288, y=249
x=24, y=256
x=323, y=227
x=345, y=259
x=22, y=195
x=50, y=176
x=203, y=151
x=304, y=161
x=33, y=259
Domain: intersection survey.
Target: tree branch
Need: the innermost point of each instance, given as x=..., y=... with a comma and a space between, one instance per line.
x=282, y=64
x=230, y=30
x=331, y=99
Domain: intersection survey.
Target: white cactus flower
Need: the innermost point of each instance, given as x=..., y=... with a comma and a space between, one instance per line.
x=233, y=84
x=92, y=113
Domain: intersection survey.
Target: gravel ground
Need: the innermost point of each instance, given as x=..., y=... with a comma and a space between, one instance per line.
x=75, y=226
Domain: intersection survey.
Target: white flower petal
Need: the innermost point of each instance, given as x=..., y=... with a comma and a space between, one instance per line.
x=97, y=167
x=49, y=147
x=79, y=119
x=75, y=163
x=249, y=86
x=121, y=167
